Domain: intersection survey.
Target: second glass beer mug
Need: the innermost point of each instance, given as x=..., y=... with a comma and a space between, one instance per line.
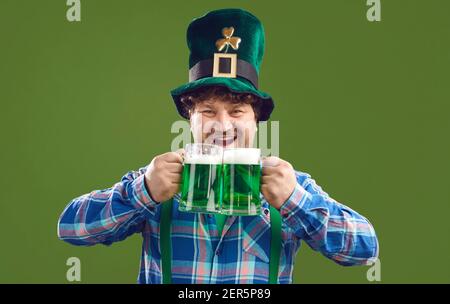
x=201, y=178
x=241, y=181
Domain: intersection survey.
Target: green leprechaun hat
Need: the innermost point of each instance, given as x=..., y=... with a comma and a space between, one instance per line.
x=226, y=49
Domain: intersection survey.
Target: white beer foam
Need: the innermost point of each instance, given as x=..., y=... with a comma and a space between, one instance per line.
x=245, y=156
x=203, y=159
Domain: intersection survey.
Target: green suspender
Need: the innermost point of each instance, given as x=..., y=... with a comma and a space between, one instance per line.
x=275, y=245
x=164, y=239
x=166, y=248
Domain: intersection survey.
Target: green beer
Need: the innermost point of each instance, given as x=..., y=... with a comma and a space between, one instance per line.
x=201, y=179
x=241, y=182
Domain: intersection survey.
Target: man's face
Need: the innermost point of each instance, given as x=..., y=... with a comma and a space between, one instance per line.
x=223, y=123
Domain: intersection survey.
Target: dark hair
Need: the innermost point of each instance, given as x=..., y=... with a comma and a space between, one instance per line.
x=190, y=99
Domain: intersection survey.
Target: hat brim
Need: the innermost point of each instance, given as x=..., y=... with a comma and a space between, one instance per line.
x=237, y=85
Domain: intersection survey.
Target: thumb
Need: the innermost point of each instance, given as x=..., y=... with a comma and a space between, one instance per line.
x=271, y=161
x=181, y=152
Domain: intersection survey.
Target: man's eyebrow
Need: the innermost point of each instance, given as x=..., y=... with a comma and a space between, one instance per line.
x=237, y=104
x=206, y=103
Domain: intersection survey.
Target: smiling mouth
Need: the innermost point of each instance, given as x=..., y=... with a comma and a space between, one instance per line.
x=224, y=141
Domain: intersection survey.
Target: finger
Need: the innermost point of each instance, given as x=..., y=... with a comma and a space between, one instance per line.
x=271, y=181
x=268, y=180
x=176, y=177
x=173, y=157
x=181, y=152
x=270, y=170
x=265, y=189
x=174, y=167
x=271, y=161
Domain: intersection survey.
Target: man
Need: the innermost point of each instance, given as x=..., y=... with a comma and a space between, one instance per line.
x=223, y=105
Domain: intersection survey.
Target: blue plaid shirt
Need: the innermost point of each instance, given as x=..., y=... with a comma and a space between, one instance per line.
x=199, y=254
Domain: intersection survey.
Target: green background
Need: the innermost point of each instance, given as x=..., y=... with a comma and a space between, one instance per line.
x=363, y=107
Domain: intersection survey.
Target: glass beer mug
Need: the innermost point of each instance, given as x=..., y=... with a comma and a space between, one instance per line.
x=201, y=178
x=241, y=174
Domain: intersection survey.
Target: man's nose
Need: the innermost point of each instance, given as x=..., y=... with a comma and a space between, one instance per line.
x=224, y=122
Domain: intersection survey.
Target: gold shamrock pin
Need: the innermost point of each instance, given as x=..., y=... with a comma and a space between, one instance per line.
x=227, y=32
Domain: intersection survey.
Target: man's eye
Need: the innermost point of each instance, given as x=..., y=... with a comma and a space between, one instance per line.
x=237, y=111
x=207, y=111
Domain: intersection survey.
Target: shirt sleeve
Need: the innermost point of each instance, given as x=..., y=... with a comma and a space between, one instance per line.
x=327, y=226
x=109, y=215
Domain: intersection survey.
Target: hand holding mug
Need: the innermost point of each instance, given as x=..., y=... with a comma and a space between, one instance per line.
x=278, y=180
x=163, y=175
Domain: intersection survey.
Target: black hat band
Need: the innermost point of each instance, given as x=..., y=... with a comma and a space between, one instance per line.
x=204, y=68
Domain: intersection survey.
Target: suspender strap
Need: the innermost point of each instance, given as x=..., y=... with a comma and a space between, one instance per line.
x=275, y=245
x=165, y=241
x=166, y=248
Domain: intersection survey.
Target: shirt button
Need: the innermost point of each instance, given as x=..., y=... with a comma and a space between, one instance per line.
x=217, y=252
x=266, y=212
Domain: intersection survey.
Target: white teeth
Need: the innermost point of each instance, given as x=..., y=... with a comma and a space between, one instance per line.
x=223, y=141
